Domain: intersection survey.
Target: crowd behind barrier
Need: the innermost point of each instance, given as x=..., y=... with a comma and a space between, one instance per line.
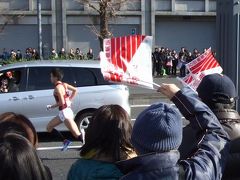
x=165, y=62
x=170, y=62
x=32, y=54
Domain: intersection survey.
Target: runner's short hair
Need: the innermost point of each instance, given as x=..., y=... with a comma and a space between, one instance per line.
x=56, y=72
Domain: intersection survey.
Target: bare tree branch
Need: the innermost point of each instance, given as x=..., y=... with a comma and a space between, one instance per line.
x=89, y=4
x=8, y=18
x=94, y=30
x=107, y=9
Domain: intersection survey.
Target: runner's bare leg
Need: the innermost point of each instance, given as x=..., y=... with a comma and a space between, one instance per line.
x=72, y=126
x=53, y=123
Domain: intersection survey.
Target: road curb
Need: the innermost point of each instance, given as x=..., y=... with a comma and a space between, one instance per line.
x=148, y=99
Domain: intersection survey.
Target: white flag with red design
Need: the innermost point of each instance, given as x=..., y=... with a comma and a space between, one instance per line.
x=203, y=65
x=128, y=60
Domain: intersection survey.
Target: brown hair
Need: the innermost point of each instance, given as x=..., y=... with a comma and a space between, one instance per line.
x=19, y=160
x=24, y=123
x=109, y=134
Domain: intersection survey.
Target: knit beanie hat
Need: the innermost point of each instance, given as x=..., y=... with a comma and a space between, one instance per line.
x=217, y=88
x=157, y=129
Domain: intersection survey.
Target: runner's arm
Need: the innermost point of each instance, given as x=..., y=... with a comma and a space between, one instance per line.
x=60, y=93
x=73, y=89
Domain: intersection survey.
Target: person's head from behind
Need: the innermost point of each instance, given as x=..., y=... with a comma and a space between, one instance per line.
x=19, y=160
x=158, y=129
x=217, y=91
x=195, y=51
x=17, y=123
x=108, y=135
x=12, y=127
x=56, y=75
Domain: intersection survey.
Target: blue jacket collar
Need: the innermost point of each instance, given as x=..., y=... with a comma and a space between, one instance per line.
x=149, y=162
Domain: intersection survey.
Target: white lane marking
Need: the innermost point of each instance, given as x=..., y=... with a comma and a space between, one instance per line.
x=140, y=105
x=56, y=148
x=144, y=105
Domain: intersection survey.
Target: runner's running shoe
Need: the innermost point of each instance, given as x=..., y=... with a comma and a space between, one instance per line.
x=66, y=143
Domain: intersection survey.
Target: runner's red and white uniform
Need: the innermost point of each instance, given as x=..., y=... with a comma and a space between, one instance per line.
x=65, y=111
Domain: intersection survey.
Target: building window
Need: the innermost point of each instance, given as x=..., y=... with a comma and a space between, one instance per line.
x=190, y=5
x=163, y=5
x=45, y=4
x=6, y=5
x=73, y=5
x=212, y=5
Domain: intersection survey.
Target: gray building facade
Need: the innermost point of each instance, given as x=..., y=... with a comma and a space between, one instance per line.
x=66, y=23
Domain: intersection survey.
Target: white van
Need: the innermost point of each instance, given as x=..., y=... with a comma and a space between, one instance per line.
x=32, y=90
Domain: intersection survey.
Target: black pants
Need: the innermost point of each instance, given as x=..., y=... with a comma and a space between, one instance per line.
x=174, y=69
x=158, y=67
x=183, y=71
x=153, y=68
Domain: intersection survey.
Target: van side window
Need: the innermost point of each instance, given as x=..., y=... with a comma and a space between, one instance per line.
x=84, y=77
x=39, y=79
x=10, y=81
x=68, y=75
x=98, y=74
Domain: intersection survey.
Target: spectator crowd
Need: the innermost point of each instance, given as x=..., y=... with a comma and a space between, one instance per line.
x=155, y=147
x=164, y=60
x=168, y=62
x=33, y=54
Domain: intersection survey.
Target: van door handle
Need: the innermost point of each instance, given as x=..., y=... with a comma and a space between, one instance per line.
x=30, y=97
x=15, y=99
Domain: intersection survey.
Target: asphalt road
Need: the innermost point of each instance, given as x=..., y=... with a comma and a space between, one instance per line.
x=60, y=162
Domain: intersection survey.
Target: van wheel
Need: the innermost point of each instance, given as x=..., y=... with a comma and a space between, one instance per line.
x=83, y=120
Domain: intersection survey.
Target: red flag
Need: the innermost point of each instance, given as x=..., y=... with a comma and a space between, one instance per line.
x=128, y=60
x=203, y=65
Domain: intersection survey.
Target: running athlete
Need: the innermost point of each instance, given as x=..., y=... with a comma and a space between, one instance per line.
x=63, y=99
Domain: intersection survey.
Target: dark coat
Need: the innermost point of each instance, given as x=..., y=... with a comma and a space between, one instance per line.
x=155, y=56
x=230, y=120
x=207, y=163
x=151, y=166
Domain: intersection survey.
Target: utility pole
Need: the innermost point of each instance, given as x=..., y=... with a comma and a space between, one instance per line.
x=228, y=40
x=39, y=21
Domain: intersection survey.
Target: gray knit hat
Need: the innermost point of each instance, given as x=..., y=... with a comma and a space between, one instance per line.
x=157, y=129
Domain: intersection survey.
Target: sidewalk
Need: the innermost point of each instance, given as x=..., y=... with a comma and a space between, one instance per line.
x=147, y=96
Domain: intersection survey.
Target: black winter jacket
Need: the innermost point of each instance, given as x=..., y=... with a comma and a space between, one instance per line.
x=207, y=163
